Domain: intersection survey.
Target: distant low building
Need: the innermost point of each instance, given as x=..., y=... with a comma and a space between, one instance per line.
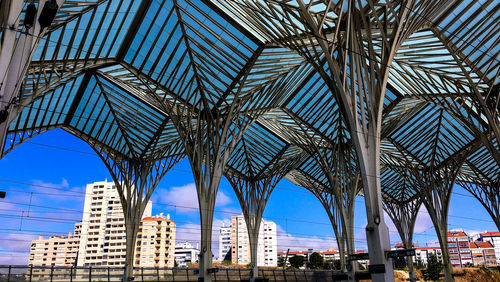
x=331, y=254
x=422, y=254
x=185, y=254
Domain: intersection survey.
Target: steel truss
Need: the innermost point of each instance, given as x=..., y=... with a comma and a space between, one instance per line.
x=380, y=88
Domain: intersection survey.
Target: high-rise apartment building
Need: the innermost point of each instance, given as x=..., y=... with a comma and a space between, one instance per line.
x=224, y=242
x=240, y=247
x=459, y=249
x=155, y=242
x=56, y=250
x=103, y=237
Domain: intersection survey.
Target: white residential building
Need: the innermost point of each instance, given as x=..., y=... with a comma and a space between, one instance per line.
x=224, y=242
x=459, y=248
x=423, y=254
x=185, y=254
x=240, y=247
x=483, y=254
x=155, y=242
x=494, y=239
x=103, y=237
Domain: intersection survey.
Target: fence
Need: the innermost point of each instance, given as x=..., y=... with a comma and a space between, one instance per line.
x=85, y=274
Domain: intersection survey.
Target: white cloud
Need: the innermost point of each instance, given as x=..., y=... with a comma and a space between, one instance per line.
x=17, y=242
x=222, y=199
x=185, y=198
x=298, y=243
x=64, y=184
x=14, y=259
x=424, y=221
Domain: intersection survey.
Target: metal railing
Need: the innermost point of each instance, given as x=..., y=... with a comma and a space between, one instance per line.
x=113, y=274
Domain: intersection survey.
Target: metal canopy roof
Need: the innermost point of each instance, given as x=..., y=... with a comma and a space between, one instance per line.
x=110, y=71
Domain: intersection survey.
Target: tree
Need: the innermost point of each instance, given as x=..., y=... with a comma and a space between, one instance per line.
x=399, y=263
x=315, y=261
x=328, y=264
x=296, y=261
x=281, y=261
x=419, y=264
x=433, y=268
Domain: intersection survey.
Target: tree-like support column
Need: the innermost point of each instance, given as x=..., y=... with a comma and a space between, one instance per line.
x=435, y=187
x=254, y=190
x=337, y=161
x=253, y=196
x=209, y=137
x=358, y=71
x=135, y=180
x=340, y=215
x=404, y=216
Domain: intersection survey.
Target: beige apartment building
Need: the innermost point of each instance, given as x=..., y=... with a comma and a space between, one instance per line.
x=155, y=242
x=56, y=250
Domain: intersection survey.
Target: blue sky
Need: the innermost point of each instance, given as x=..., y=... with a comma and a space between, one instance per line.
x=56, y=181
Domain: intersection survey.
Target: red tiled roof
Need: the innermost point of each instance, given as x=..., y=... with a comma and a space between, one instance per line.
x=319, y=252
x=457, y=234
x=328, y=252
x=480, y=245
x=293, y=253
x=490, y=234
x=154, y=218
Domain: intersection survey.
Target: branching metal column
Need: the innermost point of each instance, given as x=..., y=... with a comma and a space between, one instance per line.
x=361, y=99
x=337, y=162
x=253, y=196
x=435, y=187
x=404, y=216
x=209, y=137
x=253, y=193
x=344, y=236
x=135, y=181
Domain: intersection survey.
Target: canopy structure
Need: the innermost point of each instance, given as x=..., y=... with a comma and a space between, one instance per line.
x=415, y=82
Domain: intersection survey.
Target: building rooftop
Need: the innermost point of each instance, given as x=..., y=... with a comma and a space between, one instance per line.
x=475, y=245
x=457, y=234
x=428, y=248
x=490, y=234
